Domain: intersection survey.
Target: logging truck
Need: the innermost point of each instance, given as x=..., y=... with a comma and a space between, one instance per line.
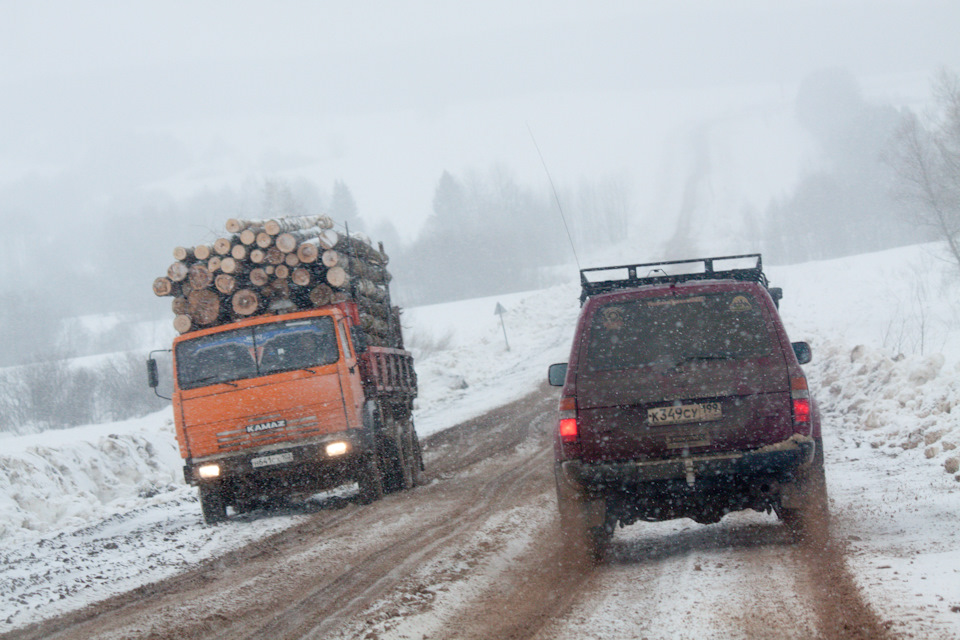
x=294, y=398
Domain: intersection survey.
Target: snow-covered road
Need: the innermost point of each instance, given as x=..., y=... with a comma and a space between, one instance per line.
x=91, y=513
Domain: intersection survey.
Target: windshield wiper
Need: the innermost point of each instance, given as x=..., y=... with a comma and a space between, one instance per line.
x=199, y=380
x=704, y=356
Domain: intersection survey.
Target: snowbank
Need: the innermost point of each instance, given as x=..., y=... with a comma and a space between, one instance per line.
x=885, y=332
x=899, y=403
x=478, y=371
x=70, y=477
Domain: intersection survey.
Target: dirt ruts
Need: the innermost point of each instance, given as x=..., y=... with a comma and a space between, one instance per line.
x=473, y=554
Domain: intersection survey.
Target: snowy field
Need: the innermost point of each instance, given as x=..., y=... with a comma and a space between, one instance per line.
x=94, y=511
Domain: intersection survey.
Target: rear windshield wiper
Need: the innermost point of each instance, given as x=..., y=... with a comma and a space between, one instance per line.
x=704, y=356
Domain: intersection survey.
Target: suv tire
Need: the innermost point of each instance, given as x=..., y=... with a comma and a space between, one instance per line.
x=811, y=520
x=587, y=541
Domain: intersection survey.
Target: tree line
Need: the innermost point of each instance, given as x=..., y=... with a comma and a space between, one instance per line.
x=889, y=177
x=489, y=234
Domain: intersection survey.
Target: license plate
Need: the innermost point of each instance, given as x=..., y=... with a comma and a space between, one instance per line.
x=277, y=458
x=681, y=414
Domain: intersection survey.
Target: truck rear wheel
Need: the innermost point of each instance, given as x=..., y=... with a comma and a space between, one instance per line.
x=395, y=457
x=369, y=481
x=416, y=456
x=212, y=504
x=412, y=461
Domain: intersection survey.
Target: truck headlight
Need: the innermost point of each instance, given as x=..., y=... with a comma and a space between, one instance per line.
x=337, y=449
x=208, y=471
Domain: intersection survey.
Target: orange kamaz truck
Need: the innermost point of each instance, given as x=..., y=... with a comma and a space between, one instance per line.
x=275, y=405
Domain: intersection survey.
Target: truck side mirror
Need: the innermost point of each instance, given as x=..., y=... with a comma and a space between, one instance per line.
x=153, y=375
x=802, y=351
x=557, y=374
x=359, y=338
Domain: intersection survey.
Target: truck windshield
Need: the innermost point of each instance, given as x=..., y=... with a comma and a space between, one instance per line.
x=673, y=330
x=256, y=351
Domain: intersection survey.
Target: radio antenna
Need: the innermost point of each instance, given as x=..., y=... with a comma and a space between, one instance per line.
x=556, y=197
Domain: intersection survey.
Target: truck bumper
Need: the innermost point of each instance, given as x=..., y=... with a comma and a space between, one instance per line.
x=311, y=457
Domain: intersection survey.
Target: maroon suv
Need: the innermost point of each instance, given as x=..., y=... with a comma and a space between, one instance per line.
x=683, y=397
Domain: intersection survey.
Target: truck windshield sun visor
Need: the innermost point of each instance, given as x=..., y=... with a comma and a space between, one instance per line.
x=256, y=351
x=677, y=330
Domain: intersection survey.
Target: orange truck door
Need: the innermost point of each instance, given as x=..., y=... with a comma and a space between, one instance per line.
x=350, y=379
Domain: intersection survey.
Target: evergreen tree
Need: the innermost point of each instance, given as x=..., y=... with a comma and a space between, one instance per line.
x=343, y=208
x=279, y=201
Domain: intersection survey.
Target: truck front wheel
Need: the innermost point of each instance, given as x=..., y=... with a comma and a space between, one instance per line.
x=212, y=504
x=369, y=481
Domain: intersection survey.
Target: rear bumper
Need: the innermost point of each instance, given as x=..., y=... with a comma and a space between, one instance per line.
x=778, y=461
x=287, y=458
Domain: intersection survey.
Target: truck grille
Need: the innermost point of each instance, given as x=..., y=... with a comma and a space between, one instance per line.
x=241, y=438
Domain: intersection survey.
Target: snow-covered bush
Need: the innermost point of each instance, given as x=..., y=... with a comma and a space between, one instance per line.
x=61, y=393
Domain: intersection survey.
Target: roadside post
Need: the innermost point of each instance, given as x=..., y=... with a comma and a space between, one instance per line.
x=499, y=311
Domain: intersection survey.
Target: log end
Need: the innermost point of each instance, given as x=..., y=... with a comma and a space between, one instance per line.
x=245, y=302
x=177, y=272
x=163, y=286
x=204, y=306
x=308, y=252
x=182, y=323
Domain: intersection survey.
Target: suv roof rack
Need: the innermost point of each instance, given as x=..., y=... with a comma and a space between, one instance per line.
x=656, y=274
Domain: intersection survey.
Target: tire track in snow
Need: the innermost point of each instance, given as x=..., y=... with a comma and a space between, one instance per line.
x=316, y=575
x=326, y=577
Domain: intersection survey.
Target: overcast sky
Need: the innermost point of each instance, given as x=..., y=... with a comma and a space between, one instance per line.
x=386, y=95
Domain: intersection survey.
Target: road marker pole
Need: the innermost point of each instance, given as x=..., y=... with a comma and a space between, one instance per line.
x=499, y=311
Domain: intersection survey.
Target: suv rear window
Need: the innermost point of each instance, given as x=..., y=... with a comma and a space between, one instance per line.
x=674, y=329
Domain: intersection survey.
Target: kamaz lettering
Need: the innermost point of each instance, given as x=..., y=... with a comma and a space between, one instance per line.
x=265, y=426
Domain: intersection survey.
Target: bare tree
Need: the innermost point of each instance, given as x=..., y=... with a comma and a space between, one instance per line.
x=926, y=159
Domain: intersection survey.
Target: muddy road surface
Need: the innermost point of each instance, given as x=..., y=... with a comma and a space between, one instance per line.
x=475, y=553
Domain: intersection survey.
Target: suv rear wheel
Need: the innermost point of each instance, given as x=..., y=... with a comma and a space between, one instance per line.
x=811, y=519
x=586, y=540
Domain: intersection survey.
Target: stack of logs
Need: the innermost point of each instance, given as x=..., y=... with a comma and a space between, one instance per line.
x=279, y=266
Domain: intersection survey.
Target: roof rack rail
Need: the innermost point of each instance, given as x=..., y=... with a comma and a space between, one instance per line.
x=657, y=274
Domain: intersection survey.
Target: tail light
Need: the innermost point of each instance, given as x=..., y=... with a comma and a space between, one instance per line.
x=569, y=431
x=800, y=397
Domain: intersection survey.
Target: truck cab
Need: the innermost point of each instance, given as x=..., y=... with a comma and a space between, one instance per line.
x=275, y=405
